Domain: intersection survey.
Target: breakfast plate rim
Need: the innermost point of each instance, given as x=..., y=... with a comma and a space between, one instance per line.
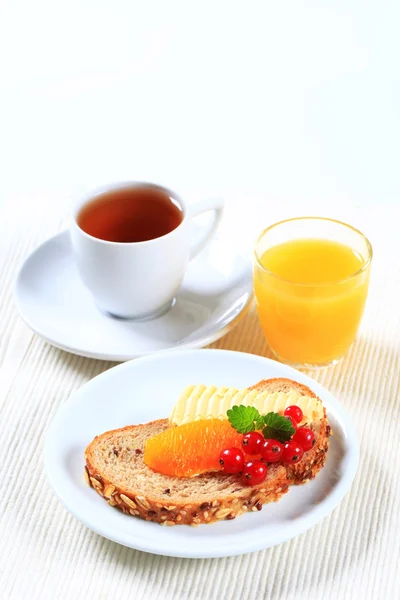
x=191, y=550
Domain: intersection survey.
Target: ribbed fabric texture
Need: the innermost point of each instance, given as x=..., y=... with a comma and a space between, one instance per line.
x=353, y=553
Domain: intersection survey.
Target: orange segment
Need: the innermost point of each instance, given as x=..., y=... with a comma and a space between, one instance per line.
x=190, y=449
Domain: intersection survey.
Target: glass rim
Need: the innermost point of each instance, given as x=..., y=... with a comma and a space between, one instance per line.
x=363, y=268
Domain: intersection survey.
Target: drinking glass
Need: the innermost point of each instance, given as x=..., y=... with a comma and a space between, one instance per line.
x=310, y=324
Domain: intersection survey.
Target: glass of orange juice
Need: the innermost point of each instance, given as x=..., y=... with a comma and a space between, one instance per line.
x=311, y=279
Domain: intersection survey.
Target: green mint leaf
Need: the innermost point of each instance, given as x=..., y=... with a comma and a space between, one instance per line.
x=242, y=418
x=277, y=427
x=260, y=422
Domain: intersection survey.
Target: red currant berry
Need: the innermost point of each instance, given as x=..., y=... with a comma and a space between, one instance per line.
x=252, y=443
x=232, y=460
x=292, y=452
x=293, y=422
x=305, y=437
x=254, y=472
x=272, y=451
x=295, y=412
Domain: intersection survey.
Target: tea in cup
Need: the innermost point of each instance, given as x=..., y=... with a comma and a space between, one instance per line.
x=131, y=243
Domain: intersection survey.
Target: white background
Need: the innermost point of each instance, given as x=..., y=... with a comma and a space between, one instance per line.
x=291, y=101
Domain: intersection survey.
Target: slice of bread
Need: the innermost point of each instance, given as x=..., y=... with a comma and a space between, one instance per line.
x=116, y=470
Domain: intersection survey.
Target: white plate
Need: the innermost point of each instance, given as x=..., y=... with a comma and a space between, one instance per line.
x=146, y=389
x=215, y=294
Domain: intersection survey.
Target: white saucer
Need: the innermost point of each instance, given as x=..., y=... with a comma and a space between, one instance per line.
x=215, y=294
x=90, y=412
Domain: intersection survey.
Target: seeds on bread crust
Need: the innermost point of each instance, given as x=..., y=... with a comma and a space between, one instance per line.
x=97, y=485
x=233, y=506
x=142, y=502
x=130, y=503
x=108, y=491
x=222, y=513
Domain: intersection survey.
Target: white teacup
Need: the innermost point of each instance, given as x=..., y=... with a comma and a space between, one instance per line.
x=139, y=280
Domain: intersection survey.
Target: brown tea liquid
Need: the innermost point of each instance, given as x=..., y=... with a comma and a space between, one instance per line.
x=134, y=214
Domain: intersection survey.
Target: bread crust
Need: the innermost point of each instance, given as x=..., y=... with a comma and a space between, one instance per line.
x=170, y=511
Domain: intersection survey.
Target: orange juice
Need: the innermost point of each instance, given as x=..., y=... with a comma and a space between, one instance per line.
x=310, y=296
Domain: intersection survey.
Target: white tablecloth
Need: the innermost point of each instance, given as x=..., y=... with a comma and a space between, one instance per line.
x=284, y=109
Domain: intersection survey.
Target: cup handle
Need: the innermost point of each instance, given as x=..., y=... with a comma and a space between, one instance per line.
x=214, y=204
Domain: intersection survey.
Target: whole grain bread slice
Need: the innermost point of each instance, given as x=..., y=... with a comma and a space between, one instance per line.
x=116, y=470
